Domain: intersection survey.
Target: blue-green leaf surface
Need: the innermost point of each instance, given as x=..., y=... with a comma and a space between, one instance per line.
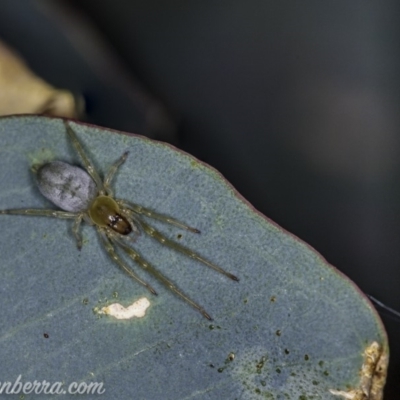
x=292, y=328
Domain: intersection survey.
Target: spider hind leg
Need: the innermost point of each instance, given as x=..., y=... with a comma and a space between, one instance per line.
x=135, y=256
x=108, y=239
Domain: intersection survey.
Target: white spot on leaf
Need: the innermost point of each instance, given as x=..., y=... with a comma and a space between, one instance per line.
x=136, y=309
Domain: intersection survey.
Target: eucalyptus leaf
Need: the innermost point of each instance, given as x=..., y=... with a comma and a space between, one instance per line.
x=292, y=328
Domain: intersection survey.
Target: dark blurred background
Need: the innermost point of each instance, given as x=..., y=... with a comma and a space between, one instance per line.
x=296, y=103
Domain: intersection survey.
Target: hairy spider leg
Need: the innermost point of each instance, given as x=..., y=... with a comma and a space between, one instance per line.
x=111, y=173
x=77, y=232
x=151, y=214
x=176, y=246
x=86, y=160
x=158, y=275
x=107, y=238
x=52, y=213
x=41, y=212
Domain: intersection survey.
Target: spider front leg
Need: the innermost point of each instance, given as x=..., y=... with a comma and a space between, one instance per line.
x=158, y=275
x=178, y=247
x=107, y=237
x=151, y=214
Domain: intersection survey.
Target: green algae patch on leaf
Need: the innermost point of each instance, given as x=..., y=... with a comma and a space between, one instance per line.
x=293, y=327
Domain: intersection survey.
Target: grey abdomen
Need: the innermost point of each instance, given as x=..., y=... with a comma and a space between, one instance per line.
x=68, y=187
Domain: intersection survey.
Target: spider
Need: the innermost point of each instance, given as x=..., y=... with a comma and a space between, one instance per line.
x=83, y=196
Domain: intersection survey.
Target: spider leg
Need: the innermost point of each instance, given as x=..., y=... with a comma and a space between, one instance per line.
x=151, y=214
x=163, y=279
x=77, y=232
x=52, y=213
x=111, y=172
x=107, y=238
x=40, y=212
x=178, y=247
x=86, y=160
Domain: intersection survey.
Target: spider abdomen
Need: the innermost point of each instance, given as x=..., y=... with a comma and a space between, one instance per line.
x=104, y=211
x=68, y=187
